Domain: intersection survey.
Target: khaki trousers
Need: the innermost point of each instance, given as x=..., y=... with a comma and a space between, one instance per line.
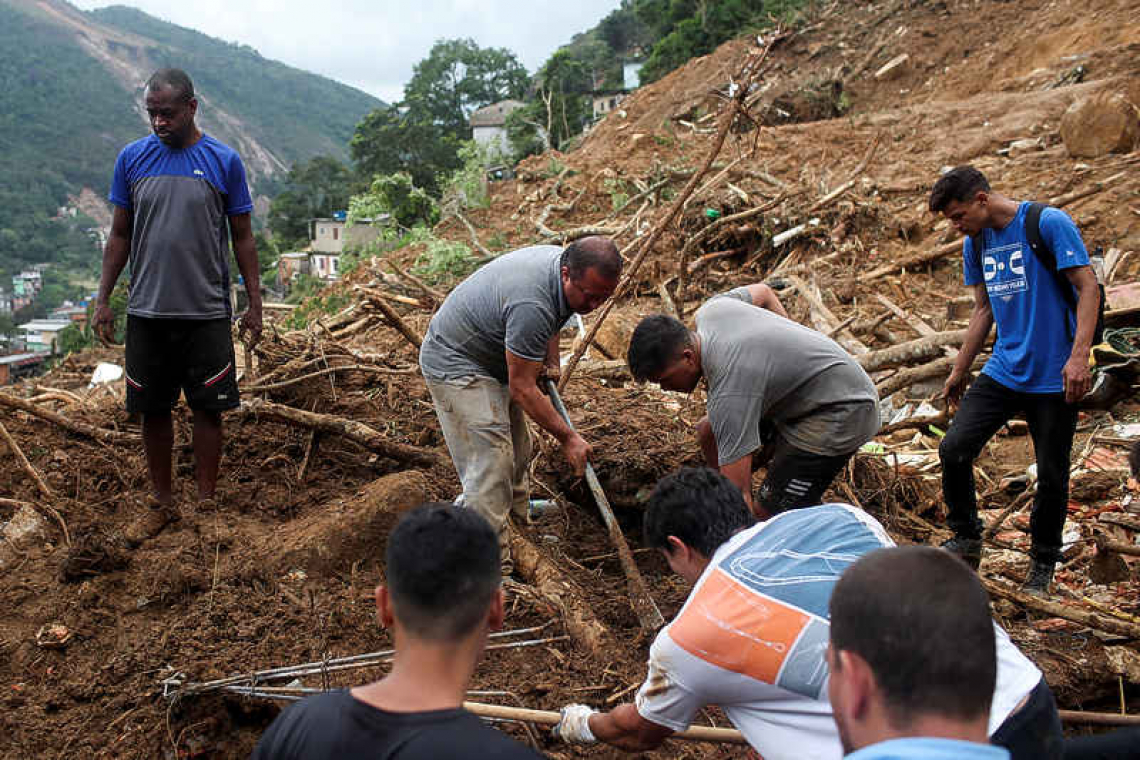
x=489, y=443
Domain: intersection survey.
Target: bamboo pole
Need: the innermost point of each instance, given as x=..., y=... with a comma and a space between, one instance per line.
x=550, y=718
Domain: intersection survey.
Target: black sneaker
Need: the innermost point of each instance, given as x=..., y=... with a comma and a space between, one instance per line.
x=969, y=549
x=1037, y=582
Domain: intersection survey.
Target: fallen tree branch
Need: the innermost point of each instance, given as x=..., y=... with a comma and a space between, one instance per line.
x=474, y=240
x=846, y=337
x=557, y=591
x=350, y=429
x=908, y=377
x=377, y=299
x=80, y=428
x=916, y=423
x=743, y=82
x=328, y=370
x=18, y=454
x=1094, y=620
x=417, y=283
x=683, y=267
x=922, y=349
x=1014, y=505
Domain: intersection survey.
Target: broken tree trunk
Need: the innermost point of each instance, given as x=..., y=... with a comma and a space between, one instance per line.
x=1096, y=620
x=552, y=585
x=81, y=428
x=920, y=350
x=377, y=299
x=351, y=429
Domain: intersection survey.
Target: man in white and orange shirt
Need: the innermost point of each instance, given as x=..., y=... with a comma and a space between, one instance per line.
x=752, y=636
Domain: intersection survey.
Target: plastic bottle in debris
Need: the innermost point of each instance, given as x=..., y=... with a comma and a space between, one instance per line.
x=538, y=507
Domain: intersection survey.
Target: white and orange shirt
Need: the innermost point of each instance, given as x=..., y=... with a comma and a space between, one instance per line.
x=753, y=633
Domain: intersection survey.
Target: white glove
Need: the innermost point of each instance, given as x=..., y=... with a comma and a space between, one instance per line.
x=574, y=726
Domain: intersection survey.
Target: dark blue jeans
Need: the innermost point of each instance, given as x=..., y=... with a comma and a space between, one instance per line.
x=987, y=406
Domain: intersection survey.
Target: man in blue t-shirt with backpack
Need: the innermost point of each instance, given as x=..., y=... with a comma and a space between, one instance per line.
x=180, y=197
x=1031, y=276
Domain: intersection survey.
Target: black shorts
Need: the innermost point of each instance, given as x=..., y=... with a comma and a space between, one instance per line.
x=797, y=478
x=169, y=356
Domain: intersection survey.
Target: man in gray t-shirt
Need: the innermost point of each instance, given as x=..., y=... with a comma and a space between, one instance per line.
x=492, y=340
x=769, y=380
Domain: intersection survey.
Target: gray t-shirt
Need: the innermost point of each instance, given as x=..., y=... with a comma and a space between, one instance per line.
x=180, y=201
x=760, y=366
x=514, y=303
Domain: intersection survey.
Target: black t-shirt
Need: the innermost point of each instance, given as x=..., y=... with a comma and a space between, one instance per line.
x=337, y=725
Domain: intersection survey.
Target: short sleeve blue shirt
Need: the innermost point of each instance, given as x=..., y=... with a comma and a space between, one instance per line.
x=180, y=201
x=1034, y=324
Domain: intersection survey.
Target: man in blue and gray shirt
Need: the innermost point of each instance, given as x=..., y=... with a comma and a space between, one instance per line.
x=179, y=197
x=493, y=339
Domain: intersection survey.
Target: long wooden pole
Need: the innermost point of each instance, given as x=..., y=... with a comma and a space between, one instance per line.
x=550, y=718
x=639, y=598
x=743, y=81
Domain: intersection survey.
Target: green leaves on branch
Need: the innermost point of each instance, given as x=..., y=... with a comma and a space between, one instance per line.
x=397, y=196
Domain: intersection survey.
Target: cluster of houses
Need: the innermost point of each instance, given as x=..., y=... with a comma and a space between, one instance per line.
x=328, y=239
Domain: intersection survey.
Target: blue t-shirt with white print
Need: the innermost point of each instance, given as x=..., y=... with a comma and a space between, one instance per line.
x=1034, y=324
x=180, y=200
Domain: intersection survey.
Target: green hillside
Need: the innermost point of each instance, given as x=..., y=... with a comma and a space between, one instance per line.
x=297, y=113
x=65, y=113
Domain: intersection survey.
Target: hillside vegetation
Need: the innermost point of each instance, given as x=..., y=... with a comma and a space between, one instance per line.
x=70, y=91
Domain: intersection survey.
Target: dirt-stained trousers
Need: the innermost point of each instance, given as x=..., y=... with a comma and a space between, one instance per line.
x=489, y=443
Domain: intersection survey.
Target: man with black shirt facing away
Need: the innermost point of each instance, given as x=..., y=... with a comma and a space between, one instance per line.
x=441, y=599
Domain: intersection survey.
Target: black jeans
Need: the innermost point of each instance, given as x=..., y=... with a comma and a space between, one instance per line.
x=1034, y=731
x=987, y=406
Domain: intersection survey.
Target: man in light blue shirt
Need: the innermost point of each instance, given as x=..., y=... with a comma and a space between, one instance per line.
x=1046, y=313
x=912, y=658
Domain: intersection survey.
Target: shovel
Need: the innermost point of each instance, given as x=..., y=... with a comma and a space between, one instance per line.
x=643, y=605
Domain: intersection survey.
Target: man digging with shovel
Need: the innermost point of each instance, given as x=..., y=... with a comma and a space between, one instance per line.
x=485, y=351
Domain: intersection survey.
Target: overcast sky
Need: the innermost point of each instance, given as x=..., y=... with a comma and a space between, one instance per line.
x=373, y=44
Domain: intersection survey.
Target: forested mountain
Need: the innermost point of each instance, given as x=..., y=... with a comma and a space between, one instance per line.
x=70, y=97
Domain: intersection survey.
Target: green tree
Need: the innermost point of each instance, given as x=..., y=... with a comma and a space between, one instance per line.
x=397, y=196
x=458, y=77
x=313, y=188
x=421, y=136
x=391, y=140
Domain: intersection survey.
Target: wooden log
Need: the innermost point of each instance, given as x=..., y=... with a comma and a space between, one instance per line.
x=80, y=428
x=921, y=350
x=913, y=321
x=1100, y=622
x=916, y=423
x=1098, y=718
x=551, y=717
x=612, y=369
x=395, y=320
x=1105, y=544
x=552, y=585
x=908, y=377
x=351, y=429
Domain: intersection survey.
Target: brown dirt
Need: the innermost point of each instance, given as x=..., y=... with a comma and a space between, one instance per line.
x=283, y=571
